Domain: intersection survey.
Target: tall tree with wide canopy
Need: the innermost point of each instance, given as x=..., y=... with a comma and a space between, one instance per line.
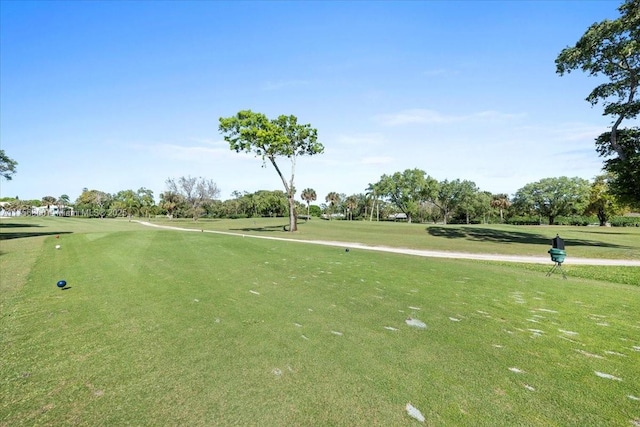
x=270, y=139
x=407, y=189
x=611, y=48
x=553, y=197
x=309, y=195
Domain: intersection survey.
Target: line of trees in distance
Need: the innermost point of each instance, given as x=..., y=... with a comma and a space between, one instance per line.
x=410, y=195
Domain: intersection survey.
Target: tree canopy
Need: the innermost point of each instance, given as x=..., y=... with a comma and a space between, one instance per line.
x=552, y=197
x=611, y=48
x=406, y=189
x=7, y=166
x=196, y=192
x=252, y=132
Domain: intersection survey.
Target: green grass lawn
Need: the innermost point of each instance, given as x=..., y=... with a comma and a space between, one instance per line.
x=162, y=327
x=585, y=242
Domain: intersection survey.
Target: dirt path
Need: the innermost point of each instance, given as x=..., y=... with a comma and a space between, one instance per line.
x=420, y=252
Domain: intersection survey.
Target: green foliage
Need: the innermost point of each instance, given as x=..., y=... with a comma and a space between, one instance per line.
x=7, y=166
x=314, y=210
x=601, y=202
x=523, y=220
x=582, y=220
x=194, y=192
x=611, y=48
x=406, y=189
x=552, y=197
x=625, y=221
x=93, y=203
x=624, y=170
x=251, y=132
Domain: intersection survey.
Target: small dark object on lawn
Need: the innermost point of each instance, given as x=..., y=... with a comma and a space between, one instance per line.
x=346, y=250
x=62, y=283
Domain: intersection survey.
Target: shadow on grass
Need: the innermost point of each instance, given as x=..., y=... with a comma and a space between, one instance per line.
x=268, y=228
x=502, y=236
x=15, y=231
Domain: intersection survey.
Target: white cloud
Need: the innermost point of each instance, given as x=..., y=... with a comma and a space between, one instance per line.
x=426, y=116
x=361, y=139
x=197, y=154
x=376, y=160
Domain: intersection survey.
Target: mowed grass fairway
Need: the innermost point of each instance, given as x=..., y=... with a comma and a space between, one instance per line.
x=164, y=327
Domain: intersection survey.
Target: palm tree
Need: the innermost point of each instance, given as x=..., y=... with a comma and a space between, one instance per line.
x=48, y=201
x=169, y=201
x=500, y=201
x=372, y=193
x=308, y=195
x=62, y=202
x=332, y=198
x=351, y=202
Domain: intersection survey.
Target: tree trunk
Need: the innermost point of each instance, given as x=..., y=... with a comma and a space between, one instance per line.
x=551, y=219
x=602, y=217
x=293, y=223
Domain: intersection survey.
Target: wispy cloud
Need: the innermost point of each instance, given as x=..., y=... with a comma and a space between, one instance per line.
x=197, y=154
x=280, y=84
x=376, y=160
x=361, y=139
x=426, y=116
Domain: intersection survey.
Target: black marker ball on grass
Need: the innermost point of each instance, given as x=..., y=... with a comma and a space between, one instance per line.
x=346, y=250
x=62, y=283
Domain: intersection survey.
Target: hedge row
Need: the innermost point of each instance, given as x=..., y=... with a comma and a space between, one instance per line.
x=625, y=221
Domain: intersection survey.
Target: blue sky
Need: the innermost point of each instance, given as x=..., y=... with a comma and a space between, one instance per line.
x=122, y=95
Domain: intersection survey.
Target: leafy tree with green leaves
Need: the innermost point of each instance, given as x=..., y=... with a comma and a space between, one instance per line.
x=407, y=189
x=7, y=166
x=461, y=197
x=611, y=48
x=309, y=195
x=270, y=139
x=482, y=205
x=449, y=195
x=624, y=172
x=552, y=197
x=95, y=201
x=602, y=202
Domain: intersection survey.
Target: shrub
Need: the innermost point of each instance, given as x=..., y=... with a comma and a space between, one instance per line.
x=523, y=220
x=576, y=220
x=625, y=221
